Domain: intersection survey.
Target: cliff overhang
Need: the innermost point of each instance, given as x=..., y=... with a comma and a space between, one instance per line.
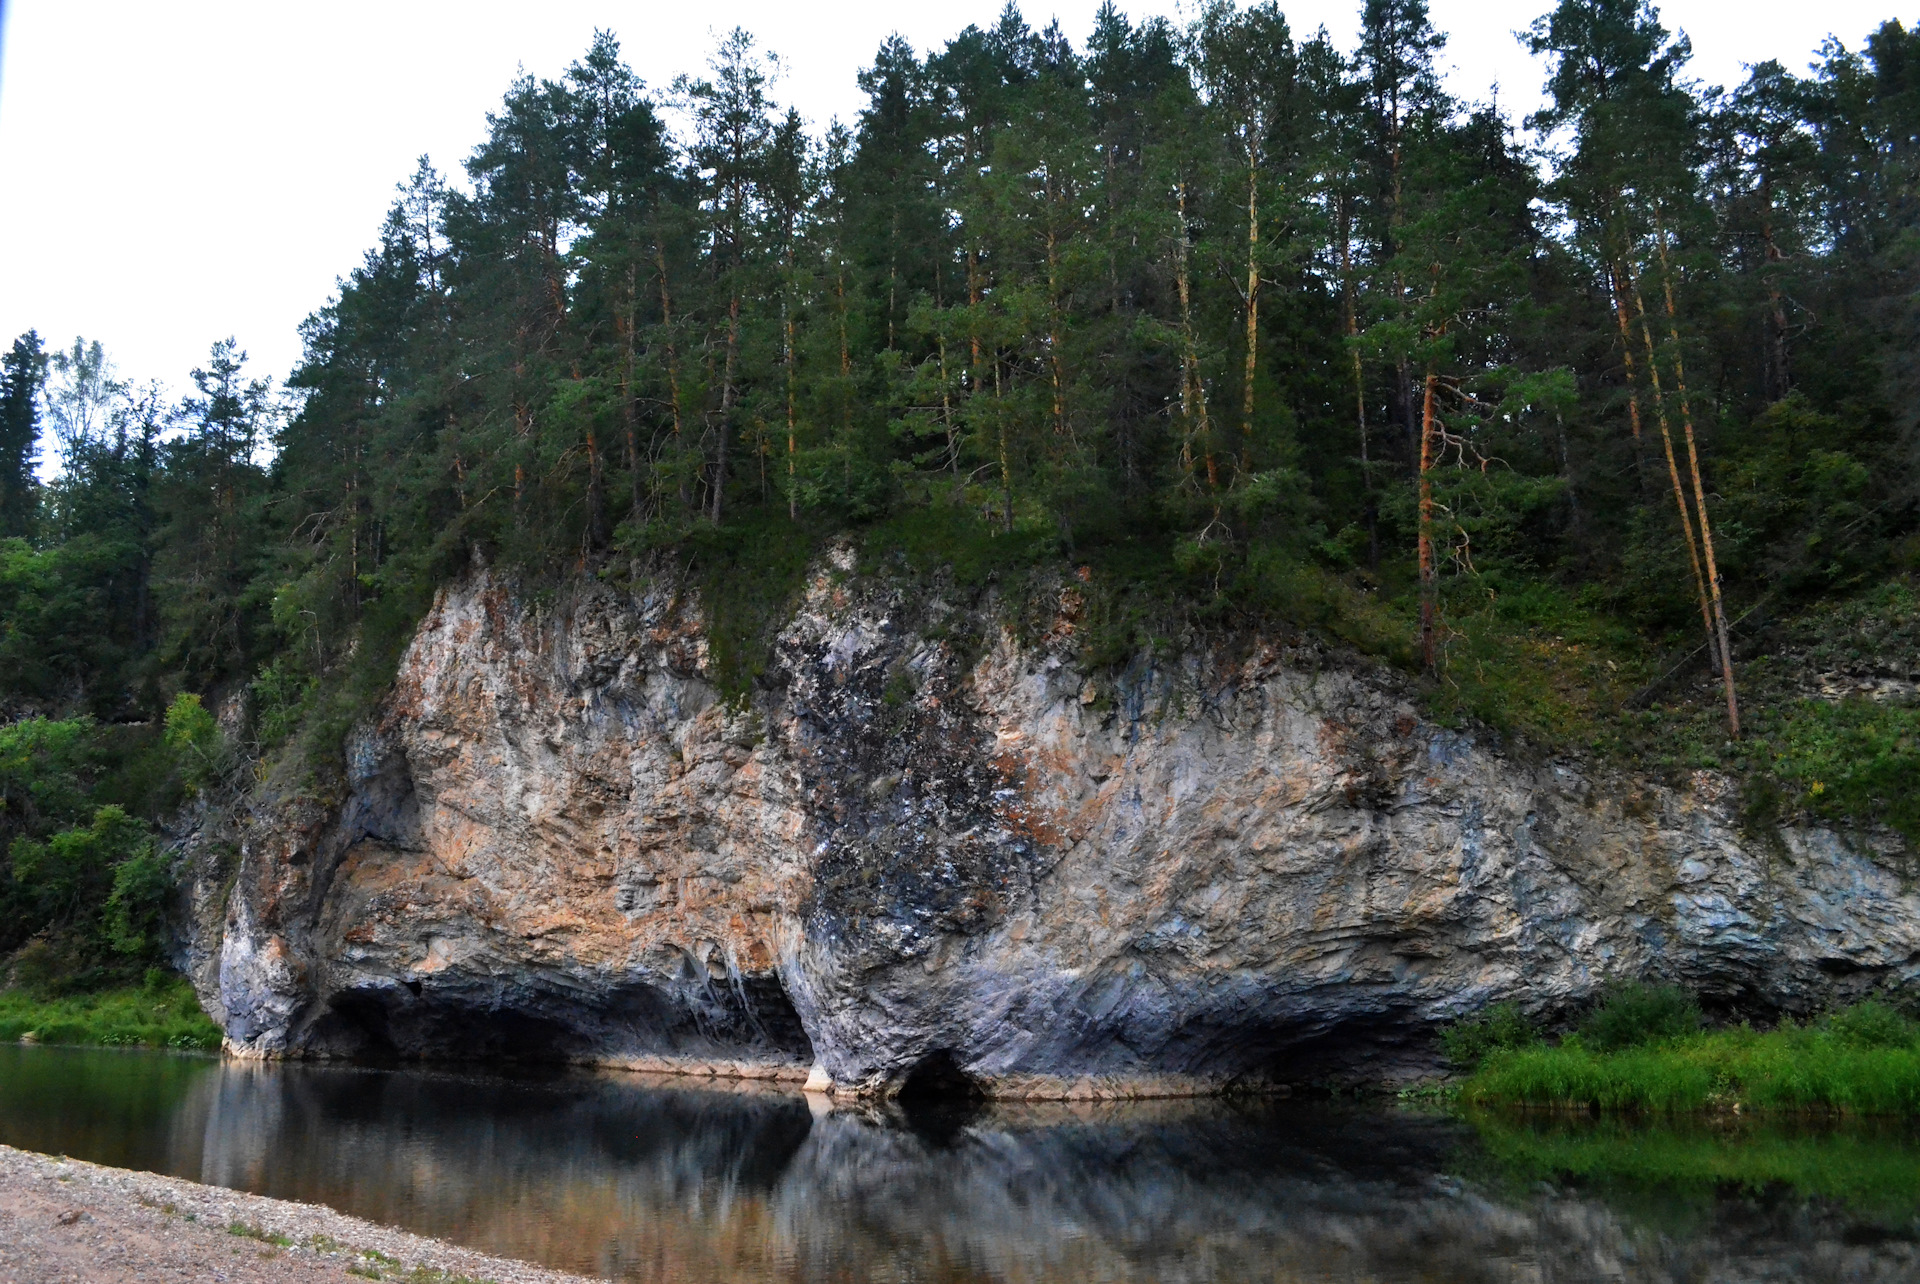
x=924, y=847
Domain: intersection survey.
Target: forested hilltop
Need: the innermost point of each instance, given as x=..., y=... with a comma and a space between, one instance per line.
x=1608, y=439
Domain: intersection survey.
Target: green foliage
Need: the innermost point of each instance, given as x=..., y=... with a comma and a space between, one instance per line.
x=1800, y=497
x=248, y=1230
x=22, y=373
x=45, y=766
x=1861, y=1061
x=944, y=536
x=51, y=608
x=1528, y=657
x=1212, y=329
x=1851, y=758
x=137, y=905
x=1632, y=1013
x=282, y=696
x=1500, y=1028
x=78, y=869
x=161, y=1012
x=195, y=737
x=104, y=882
x=747, y=574
x=1873, y=1024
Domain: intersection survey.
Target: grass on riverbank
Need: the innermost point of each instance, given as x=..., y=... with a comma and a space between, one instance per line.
x=161, y=1013
x=1642, y=1051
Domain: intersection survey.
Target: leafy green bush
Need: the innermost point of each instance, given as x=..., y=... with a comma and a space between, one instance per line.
x=193, y=734
x=136, y=907
x=282, y=695
x=1632, y=1013
x=105, y=877
x=1873, y=1024
x=43, y=773
x=1502, y=1027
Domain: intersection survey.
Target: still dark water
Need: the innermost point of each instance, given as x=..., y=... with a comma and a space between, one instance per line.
x=635, y=1180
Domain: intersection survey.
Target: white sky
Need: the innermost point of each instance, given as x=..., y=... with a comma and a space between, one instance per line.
x=171, y=173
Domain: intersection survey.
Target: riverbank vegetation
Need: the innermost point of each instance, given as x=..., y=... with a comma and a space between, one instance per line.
x=87, y=886
x=161, y=1011
x=1643, y=1050
x=1597, y=424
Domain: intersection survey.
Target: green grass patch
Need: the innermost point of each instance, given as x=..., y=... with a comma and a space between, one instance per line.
x=1819, y=1068
x=1535, y=660
x=1850, y=758
x=161, y=1013
x=247, y=1230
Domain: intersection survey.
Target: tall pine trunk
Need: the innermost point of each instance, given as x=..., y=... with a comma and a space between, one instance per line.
x=1350, y=311
x=1699, y=492
x=1055, y=338
x=629, y=413
x=1673, y=475
x=1253, y=310
x=1429, y=572
x=1193, y=388
x=728, y=396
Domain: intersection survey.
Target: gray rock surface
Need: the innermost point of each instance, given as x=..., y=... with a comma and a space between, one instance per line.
x=923, y=842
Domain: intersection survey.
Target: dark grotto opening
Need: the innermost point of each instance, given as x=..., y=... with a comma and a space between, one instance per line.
x=355, y=1025
x=938, y=1098
x=381, y=1027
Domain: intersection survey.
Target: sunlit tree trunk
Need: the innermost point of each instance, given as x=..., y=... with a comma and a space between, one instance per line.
x=1673, y=474
x=1429, y=572
x=1350, y=311
x=629, y=416
x=1193, y=388
x=1699, y=492
x=1253, y=312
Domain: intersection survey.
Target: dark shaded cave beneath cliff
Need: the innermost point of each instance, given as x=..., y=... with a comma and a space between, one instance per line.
x=748, y=1019
x=1302, y=1049
x=938, y=1099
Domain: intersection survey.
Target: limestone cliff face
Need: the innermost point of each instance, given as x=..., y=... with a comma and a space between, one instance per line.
x=924, y=845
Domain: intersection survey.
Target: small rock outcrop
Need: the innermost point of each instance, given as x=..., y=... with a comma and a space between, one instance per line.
x=923, y=846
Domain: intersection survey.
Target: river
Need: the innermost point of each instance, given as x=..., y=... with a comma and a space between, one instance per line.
x=659, y=1180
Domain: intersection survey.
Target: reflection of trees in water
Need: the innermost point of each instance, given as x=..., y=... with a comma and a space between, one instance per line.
x=615, y=1175
x=97, y=1105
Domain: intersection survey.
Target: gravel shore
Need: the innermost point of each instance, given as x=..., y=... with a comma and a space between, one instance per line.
x=64, y=1220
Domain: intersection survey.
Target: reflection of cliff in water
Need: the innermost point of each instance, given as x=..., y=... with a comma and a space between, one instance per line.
x=657, y=1181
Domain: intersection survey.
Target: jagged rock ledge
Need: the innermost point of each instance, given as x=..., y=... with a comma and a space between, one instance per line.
x=925, y=848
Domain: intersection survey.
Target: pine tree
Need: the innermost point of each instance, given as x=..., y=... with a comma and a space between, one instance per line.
x=22, y=375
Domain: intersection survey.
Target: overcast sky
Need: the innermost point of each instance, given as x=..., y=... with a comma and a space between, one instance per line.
x=172, y=173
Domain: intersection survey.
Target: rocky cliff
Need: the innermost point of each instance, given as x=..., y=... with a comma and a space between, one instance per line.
x=924, y=848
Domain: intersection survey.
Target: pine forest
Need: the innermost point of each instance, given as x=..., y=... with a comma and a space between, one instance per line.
x=1598, y=425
